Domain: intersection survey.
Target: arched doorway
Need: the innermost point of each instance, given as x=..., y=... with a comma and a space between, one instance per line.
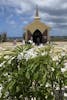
x=37, y=37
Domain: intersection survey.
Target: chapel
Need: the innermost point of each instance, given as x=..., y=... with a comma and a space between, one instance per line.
x=37, y=30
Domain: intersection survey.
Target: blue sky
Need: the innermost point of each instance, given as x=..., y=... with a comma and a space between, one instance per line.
x=15, y=14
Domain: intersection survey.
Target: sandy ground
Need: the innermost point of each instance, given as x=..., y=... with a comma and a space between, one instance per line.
x=61, y=44
x=10, y=45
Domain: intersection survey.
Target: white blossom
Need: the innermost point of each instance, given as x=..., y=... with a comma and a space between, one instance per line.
x=65, y=94
x=47, y=85
x=30, y=41
x=6, y=94
x=57, y=88
x=18, y=67
x=6, y=57
x=55, y=58
x=63, y=54
x=19, y=57
x=63, y=70
x=31, y=53
x=33, y=44
x=51, y=93
x=40, y=46
x=9, y=61
x=2, y=63
x=23, y=42
x=0, y=89
x=65, y=64
x=66, y=87
x=52, y=69
x=43, y=53
x=5, y=74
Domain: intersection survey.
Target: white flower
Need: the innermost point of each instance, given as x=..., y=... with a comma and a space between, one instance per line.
x=19, y=57
x=18, y=67
x=51, y=93
x=9, y=79
x=2, y=63
x=9, y=61
x=63, y=54
x=6, y=57
x=65, y=94
x=33, y=83
x=22, y=53
x=0, y=94
x=65, y=65
x=46, y=96
x=57, y=88
x=44, y=53
x=27, y=56
x=23, y=42
x=30, y=41
x=6, y=94
x=6, y=74
x=52, y=69
x=55, y=58
x=0, y=89
x=32, y=98
x=63, y=70
x=47, y=85
x=65, y=87
x=31, y=53
x=33, y=44
x=40, y=46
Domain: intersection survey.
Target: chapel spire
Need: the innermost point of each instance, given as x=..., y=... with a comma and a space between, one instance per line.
x=37, y=14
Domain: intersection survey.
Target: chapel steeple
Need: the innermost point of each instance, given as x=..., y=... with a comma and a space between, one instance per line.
x=37, y=14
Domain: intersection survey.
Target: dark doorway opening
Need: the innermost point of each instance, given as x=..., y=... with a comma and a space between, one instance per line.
x=37, y=37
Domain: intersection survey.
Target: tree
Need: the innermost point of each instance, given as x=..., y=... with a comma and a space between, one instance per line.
x=0, y=37
x=4, y=37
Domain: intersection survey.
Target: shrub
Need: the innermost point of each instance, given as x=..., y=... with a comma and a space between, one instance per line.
x=32, y=72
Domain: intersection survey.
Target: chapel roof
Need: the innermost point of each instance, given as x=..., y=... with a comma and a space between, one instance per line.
x=36, y=24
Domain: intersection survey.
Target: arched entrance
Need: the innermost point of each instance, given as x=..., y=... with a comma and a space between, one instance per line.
x=37, y=37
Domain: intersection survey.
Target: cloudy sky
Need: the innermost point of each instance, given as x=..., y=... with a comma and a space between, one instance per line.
x=15, y=14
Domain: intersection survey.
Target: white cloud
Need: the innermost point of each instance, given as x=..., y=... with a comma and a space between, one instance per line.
x=26, y=5
x=11, y=22
x=20, y=5
x=53, y=12
x=25, y=22
x=64, y=6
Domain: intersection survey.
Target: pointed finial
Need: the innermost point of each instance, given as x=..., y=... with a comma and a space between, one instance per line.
x=37, y=14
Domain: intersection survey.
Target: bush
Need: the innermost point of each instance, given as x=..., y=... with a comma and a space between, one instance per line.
x=32, y=72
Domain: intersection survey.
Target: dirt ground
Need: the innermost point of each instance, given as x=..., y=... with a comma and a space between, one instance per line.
x=10, y=45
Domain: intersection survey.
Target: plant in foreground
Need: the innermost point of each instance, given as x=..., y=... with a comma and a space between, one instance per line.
x=27, y=75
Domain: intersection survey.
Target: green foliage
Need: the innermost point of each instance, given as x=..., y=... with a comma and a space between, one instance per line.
x=36, y=77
